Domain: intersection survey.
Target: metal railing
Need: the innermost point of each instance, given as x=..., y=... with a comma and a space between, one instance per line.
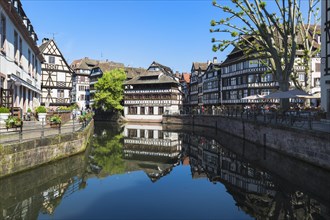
x=307, y=120
x=36, y=130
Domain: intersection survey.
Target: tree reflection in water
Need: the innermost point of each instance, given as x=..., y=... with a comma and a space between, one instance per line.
x=106, y=156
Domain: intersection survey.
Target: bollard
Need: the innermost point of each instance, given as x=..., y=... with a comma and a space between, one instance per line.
x=21, y=132
x=73, y=125
x=59, y=128
x=42, y=128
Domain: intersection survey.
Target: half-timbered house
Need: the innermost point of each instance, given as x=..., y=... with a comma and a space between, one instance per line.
x=80, y=90
x=57, y=76
x=150, y=95
x=196, y=84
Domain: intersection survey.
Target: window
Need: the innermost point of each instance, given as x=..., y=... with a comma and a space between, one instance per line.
x=151, y=110
x=160, y=135
x=150, y=133
x=2, y=31
x=142, y=110
x=20, y=49
x=132, y=133
x=160, y=110
x=32, y=63
x=301, y=77
x=29, y=62
x=60, y=93
x=16, y=46
x=132, y=110
x=51, y=59
x=142, y=133
x=317, y=67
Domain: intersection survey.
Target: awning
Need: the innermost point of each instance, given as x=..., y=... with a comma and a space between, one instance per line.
x=19, y=81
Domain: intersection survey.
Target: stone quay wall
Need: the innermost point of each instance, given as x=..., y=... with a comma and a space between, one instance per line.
x=21, y=156
x=309, y=146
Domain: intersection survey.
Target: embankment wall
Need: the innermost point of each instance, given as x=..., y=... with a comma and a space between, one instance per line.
x=21, y=156
x=306, y=145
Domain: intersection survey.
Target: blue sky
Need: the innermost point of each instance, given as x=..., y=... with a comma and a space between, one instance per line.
x=173, y=32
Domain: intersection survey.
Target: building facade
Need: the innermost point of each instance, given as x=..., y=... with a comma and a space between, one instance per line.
x=196, y=85
x=20, y=58
x=56, y=76
x=325, y=50
x=242, y=77
x=150, y=95
x=80, y=91
x=185, y=85
x=212, y=86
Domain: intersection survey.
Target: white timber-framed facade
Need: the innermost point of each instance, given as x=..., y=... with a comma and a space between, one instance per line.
x=20, y=58
x=81, y=81
x=56, y=76
x=150, y=95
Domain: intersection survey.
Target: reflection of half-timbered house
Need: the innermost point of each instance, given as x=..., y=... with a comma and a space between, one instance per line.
x=151, y=149
x=56, y=76
x=151, y=94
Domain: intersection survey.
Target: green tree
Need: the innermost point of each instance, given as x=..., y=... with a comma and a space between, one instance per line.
x=109, y=90
x=275, y=34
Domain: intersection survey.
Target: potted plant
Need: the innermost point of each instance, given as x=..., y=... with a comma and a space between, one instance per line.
x=4, y=113
x=28, y=114
x=13, y=122
x=42, y=112
x=55, y=120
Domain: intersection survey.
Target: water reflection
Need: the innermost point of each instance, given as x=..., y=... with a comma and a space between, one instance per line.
x=151, y=149
x=263, y=184
x=41, y=190
x=257, y=192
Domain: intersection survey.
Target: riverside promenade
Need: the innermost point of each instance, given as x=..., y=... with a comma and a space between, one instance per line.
x=35, y=129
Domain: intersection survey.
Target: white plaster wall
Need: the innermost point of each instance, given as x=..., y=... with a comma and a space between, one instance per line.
x=19, y=69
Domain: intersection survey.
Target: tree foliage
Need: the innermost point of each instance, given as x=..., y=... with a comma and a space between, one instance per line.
x=109, y=90
x=277, y=33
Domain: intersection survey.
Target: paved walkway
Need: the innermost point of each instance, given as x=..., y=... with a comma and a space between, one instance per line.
x=35, y=129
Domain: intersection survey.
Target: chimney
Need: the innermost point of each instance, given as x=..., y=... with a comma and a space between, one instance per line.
x=44, y=40
x=215, y=60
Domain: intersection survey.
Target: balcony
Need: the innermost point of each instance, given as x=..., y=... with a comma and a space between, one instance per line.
x=240, y=72
x=251, y=85
x=150, y=91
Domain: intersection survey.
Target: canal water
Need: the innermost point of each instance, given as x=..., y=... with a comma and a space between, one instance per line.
x=155, y=172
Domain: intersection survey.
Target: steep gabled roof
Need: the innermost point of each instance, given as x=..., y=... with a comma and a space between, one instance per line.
x=84, y=63
x=46, y=44
x=163, y=75
x=185, y=77
x=107, y=66
x=166, y=69
x=132, y=72
x=155, y=78
x=199, y=66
